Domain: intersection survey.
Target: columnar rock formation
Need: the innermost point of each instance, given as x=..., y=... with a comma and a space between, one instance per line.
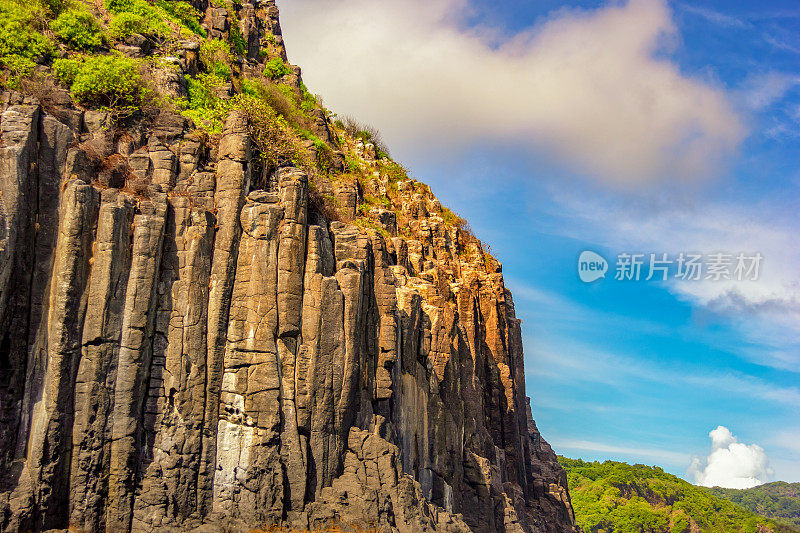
x=218, y=351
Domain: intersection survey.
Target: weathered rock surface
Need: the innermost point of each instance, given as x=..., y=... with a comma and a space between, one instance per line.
x=199, y=353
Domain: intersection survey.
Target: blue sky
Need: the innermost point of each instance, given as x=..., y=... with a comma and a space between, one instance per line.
x=649, y=126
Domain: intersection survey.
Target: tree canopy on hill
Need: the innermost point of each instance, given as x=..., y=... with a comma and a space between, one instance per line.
x=779, y=500
x=612, y=497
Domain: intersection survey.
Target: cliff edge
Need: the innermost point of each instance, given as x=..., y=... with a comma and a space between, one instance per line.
x=221, y=309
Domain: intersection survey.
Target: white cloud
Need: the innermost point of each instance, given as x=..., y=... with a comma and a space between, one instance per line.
x=591, y=89
x=721, y=19
x=763, y=90
x=767, y=311
x=576, y=362
x=748, y=386
x=662, y=456
x=731, y=464
x=789, y=439
x=552, y=306
x=715, y=17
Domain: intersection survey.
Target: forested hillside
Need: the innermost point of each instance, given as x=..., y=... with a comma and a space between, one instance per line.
x=614, y=497
x=779, y=500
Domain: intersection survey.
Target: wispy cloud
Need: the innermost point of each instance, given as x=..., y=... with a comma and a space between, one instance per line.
x=784, y=448
x=788, y=439
x=715, y=17
x=774, y=14
x=781, y=44
x=576, y=362
x=765, y=89
x=767, y=310
x=590, y=89
x=659, y=455
x=748, y=21
x=557, y=308
x=771, y=99
x=747, y=386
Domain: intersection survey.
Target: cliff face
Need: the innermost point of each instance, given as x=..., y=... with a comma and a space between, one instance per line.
x=210, y=343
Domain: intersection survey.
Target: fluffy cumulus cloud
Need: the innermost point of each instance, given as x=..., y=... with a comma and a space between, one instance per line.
x=731, y=464
x=590, y=89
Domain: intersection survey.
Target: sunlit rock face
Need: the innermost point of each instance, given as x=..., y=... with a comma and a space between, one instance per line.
x=224, y=348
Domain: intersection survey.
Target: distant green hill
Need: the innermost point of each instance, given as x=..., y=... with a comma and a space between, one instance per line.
x=612, y=497
x=779, y=501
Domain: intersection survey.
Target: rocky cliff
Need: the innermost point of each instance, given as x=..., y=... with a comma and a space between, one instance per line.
x=245, y=327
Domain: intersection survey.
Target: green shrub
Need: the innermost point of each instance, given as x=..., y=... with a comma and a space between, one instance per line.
x=251, y=87
x=308, y=102
x=53, y=8
x=78, y=28
x=118, y=6
x=451, y=219
x=276, y=143
x=324, y=152
x=158, y=15
x=111, y=81
x=21, y=45
x=285, y=101
x=220, y=70
x=281, y=99
x=184, y=14
x=202, y=90
x=237, y=40
x=396, y=172
x=125, y=24
x=215, y=50
x=203, y=106
x=66, y=69
x=215, y=54
x=153, y=18
x=282, y=102
x=18, y=67
x=276, y=68
x=351, y=165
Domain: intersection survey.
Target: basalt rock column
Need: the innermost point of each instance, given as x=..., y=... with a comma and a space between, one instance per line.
x=218, y=328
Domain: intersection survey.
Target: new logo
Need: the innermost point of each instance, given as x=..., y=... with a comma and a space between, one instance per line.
x=591, y=266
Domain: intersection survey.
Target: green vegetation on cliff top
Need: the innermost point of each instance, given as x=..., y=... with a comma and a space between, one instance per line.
x=614, y=497
x=138, y=61
x=74, y=43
